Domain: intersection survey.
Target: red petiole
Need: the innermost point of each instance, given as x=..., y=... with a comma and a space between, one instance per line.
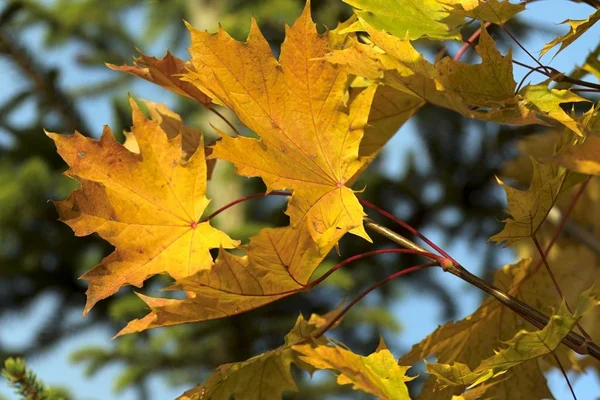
x=405, y=271
x=368, y=254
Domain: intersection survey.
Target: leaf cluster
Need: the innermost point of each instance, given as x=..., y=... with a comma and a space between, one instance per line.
x=319, y=114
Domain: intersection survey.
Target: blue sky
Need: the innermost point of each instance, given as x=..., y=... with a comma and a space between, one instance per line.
x=419, y=313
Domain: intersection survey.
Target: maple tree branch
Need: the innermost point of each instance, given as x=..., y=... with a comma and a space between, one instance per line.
x=536, y=69
x=584, y=90
x=573, y=340
x=545, y=262
x=365, y=292
x=558, y=76
x=368, y=254
x=591, y=3
x=406, y=226
x=514, y=39
x=520, y=64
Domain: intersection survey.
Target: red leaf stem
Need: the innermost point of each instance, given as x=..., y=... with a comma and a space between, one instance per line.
x=407, y=227
x=368, y=254
x=395, y=275
x=241, y=200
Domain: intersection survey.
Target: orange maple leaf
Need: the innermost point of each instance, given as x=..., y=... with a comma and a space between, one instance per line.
x=308, y=140
x=166, y=73
x=147, y=205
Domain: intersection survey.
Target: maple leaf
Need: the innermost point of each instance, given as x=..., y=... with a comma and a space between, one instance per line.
x=434, y=19
x=377, y=374
x=547, y=101
x=147, y=205
x=494, y=11
x=472, y=394
x=278, y=263
x=583, y=158
x=390, y=109
x=484, y=91
x=471, y=340
x=577, y=28
x=308, y=143
x=266, y=376
x=415, y=19
x=528, y=208
x=522, y=347
x=166, y=73
x=172, y=124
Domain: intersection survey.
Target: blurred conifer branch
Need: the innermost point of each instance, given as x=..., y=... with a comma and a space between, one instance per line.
x=26, y=383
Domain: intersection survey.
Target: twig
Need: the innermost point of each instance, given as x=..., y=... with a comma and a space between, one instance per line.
x=536, y=69
x=565, y=375
x=562, y=223
x=406, y=226
x=368, y=254
x=557, y=285
x=470, y=41
x=514, y=39
x=574, y=341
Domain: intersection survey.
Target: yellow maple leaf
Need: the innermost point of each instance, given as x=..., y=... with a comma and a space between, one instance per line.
x=583, y=158
x=547, y=102
x=484, y=91
x=528, y=208
x=308, y=142
x=278, y=263
x=378, y=373
x=147, y=205
x=576, y=29
x=166, y=73
x=390, y=109
x=172, y=124
x=494, y=11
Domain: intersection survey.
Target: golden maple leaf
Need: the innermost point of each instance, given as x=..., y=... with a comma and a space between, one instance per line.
x=308, y=141
x=484, y=91
x=278, y=263
x=147, y=205
x=172, y=124
x=377, y=373
x=528, y=208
